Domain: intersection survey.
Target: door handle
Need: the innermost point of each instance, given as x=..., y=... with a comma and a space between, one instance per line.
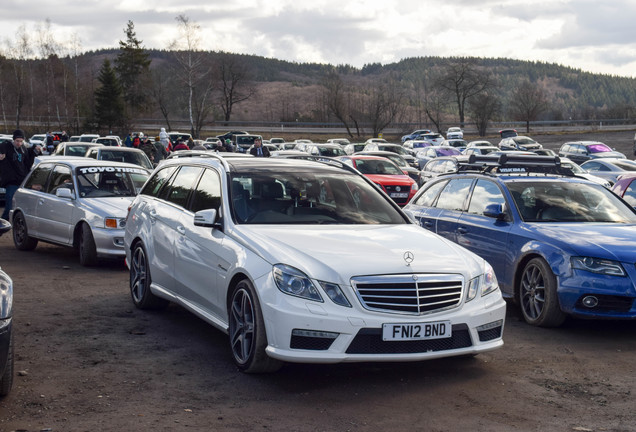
x=152, y=213
x=462, y=230
x=181, y=230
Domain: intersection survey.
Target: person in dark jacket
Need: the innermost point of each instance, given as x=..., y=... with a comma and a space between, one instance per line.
x=258, y=150
x=15, y=162
x=160, y=151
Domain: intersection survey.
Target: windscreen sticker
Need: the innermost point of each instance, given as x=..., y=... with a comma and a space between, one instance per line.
x=101, y=169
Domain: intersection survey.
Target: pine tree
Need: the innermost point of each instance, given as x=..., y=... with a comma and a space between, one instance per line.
x=109, y=102
x=133, y=68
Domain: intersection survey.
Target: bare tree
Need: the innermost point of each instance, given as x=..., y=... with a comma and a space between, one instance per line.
x=337, y=99
x=160, y=94
x=527, y=102
x=436, y=106
x=195, y=71
x=48, y=48
x=235, y=86
x=463, y=80
x=385, y=104
x=483, y=108
x=21, y=50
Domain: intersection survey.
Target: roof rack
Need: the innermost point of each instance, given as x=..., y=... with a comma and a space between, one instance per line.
x=514, y=164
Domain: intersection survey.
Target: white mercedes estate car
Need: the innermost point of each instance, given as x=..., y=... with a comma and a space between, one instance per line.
x=305, y=261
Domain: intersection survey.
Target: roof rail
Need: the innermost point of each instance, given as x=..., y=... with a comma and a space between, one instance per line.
x=514, y=164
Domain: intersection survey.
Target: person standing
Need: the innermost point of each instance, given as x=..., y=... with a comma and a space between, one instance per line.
x=15, y=162
x=258, y=150
x=147, y=147
x=160, y=151
x=128, y=140
x=165, y=139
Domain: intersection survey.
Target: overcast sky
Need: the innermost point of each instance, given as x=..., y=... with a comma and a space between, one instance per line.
x=587, y=34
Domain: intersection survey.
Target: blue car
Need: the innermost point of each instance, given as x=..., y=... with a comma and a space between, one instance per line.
x=560, y=245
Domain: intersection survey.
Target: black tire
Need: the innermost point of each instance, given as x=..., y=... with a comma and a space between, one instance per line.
x=87, y=248
x=6, y=382
x=538, y=295
x=248, y=338
x=21, y=237
x=140, y=281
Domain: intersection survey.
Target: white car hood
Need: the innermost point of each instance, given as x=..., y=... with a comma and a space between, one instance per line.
x=330, y=253
x=108, y=206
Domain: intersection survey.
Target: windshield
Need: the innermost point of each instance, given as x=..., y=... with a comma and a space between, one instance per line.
x=133, y=157
x=377, y=166
x=561, y=201
x=101, y=181
x=331, y=151
x=523, y=141
x=598, y=148
x=451, y=151
x=309, y=198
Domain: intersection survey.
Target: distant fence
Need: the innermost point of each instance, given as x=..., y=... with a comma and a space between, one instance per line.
x=153, y=126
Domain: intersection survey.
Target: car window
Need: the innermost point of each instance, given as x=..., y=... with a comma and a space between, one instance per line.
x=60, y=178
x=156, y=182
x=207, y=194
x=561, y=201
x=485, y=193
x=593, y=166
x=598, y=148
x=308, y=198
x=427, y=198
x=101, y=181
x=92, y=154
x=630, y=194
x=181, y=184
x=454, y=194
x=37, y=179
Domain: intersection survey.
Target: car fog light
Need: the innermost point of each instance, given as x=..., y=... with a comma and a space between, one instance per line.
x=491, y=325
x=314, y=333
x=590, y=301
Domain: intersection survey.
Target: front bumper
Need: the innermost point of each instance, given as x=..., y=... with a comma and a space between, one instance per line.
x=109, y=242
x=311, y=332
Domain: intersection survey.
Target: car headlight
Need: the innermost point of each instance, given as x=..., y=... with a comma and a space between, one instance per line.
x=486, y=282
x=414, y=187
x=295, y=283
x=598, y=265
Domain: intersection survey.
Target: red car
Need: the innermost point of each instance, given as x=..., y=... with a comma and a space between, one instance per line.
x=625, y=187
x=381, y=171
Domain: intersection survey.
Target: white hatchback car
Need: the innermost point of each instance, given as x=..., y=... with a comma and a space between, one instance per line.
x=305, y=261
x=77, y=202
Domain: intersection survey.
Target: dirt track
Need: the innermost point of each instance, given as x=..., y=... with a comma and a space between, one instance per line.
x=89, y=361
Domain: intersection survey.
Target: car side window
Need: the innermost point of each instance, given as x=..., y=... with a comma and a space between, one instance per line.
x=179, y=189
x=92, y=154
x=484, y=194
x=453, y=196
x=207, y=194
x=428, y=196
x=60, y=178
x=37, y=180
x=592, y=166
x=630, y=194
x=153, y=187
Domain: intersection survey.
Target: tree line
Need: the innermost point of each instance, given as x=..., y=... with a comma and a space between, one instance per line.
x=54, y=85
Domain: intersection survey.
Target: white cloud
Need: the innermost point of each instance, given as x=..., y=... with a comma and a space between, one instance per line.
x=586, y=34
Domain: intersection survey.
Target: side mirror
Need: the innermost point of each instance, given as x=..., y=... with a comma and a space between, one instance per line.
x=495, y=211
x=206, y=218
x=64, y=193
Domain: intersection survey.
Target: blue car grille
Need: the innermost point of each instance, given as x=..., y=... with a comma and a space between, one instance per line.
x=414, y=294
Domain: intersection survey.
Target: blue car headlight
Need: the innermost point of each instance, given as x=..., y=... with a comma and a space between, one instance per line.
x=486, y=282
x=598, y=265
x=294, y=282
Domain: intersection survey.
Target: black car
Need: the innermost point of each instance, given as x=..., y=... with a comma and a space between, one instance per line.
x=230, y=135
x=6, y=324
